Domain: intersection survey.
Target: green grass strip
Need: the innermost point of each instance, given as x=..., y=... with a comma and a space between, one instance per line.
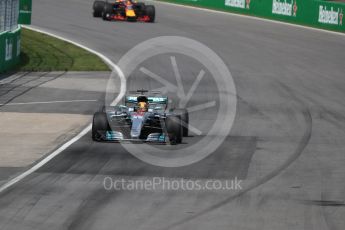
x=40, y=52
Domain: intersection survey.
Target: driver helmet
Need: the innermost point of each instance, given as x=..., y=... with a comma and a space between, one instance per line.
x=143, y=104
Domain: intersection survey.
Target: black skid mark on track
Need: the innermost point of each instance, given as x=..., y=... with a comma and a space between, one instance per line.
x=91, y=205
x=56, y=49
x=325, y=203
x=29, y=88
x=303, y=143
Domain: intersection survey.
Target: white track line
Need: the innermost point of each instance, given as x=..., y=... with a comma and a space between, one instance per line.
x=45, y=160
x=41, y=163
x=250, y=17
x=46, y=102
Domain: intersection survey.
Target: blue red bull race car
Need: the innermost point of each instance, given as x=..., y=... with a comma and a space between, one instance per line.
x=124, y=10
x=142, y=118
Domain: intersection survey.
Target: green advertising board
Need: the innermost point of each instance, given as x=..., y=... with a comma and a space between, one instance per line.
x=9, y=49
x=329, y=15
x=25, y=12
x=315, y=13
x=9, y=34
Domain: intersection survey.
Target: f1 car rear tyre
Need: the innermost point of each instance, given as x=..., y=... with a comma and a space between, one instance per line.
x=98, y=8
x=185, y=120
x=100, y=125
x=151, y=12
x=107, y=11
x=173, y=126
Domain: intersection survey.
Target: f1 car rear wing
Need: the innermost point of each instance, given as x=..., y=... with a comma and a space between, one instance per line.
x=151, y=100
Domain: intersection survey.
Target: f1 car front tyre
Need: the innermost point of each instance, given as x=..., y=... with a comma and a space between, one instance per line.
x=151, y=13
x=98, y=8
x=173, y=126
x=100, y=126
x=107, y=11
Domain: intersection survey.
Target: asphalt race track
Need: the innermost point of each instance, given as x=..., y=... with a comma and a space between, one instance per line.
x=287, y=142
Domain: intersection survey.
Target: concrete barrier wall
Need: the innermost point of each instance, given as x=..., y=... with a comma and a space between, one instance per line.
x=315, y=13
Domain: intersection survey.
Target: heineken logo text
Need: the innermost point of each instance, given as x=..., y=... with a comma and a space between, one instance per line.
x=330, y=16
x=287, y=8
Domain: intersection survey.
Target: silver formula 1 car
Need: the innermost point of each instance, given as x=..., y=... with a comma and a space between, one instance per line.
x=142, y=118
